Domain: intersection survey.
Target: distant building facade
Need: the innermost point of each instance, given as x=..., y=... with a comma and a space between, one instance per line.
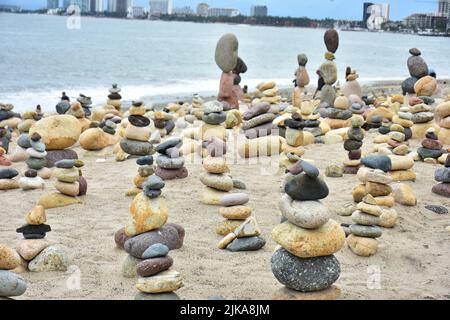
x=366, y=11
x=97, y=6
x=184, y=11
x=444, y=8
x=84, y=5
x=138, y=12
x=202, y=9
x=434, y=21
x=52, y=4
x=158, y=7
x=223, y=12
x=375, y=14
x=259, y=11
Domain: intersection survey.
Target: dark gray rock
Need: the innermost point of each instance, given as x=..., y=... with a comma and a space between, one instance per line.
x=246, y=244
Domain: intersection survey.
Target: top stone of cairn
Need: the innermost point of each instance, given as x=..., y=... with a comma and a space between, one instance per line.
x=227, y=52
x=331, y=39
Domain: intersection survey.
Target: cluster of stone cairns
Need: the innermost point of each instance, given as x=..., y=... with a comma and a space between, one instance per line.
x=423, y=80
x=29, y=118
x=353, y=144
x=339, y=113
x=170, y=160
x=86, y=104
x=442, y=175
x=305, y=263
x=328, y=70
x=145, y=170
x=227, y=59
x=70, y=185
x=267, y=92
x=101, y=134
x=212, y=130
x=362, y=239
x=36, y=153
x=196, y=109
x=301, y=80
x=431, y=148
x=147, y=238
x=8, y=118
x=113, y=105
x=163, y=122
x=442, y=115
x=258, y=121
x=11, y=284
x=137, y=133
x=39, y=254
x=7, y=181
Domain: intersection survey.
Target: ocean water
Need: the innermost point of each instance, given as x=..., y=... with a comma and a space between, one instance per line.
x=40, y=57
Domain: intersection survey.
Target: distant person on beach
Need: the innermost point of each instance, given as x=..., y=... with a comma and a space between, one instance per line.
x=65, y=97
x=348, y=71
x=320, y=83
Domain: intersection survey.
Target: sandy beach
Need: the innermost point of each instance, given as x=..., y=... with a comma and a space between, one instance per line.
x=412, y=259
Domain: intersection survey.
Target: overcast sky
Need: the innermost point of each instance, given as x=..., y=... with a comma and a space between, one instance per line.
x=338, y=9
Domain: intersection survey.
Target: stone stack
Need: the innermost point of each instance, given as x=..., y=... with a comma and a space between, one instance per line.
x=442, y=175
x=11, y=284
x=147, y=238
x=212, y=128
x=114, y=97
x=362, y=240
x=76, y=109
x=240, y=67
x=294, y=138
x=70, y=184
x=86, y=104
x=8, y=118
x=401, y=162
x=418, y=69
x=29, y=118
x=109, y=127
x=137, y=132
x=164, y=122
x=423, y=119
x=353, y=144
x=305, y=263
x=63, y=105
x=196, y=108
x=404, y=119
x=37, y=155
x=339, y=113
x=170, y=160
x=31, y=181
x=216, y=179
x=7, y=181
x=145, y=170
x=267, y=92
x=258, y=121
x=431, y=148
x=352, y=90
x=301, y=80
x=328, y=69
x=226, y=57
x=442, y=114
x=244, y=237
x=39, y=254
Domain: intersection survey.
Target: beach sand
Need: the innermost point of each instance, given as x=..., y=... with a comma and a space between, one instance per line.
x=412, y=261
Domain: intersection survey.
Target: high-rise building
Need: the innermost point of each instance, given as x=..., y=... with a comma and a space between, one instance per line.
x=112, y=6
x=84, y=5
x=258, y=11
x=158, y=7
x=375, y=14
x=202, y=9
x=123, y=6
x=52, y=4
x=444, y=7
x=183, y=11
x=366, y=11
x=97, y=6
x=223, y=12
x=434, y=21
x=138, y=12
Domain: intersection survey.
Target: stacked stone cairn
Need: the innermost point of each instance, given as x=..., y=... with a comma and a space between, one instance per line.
x=226, y=57
x=114, y=97
x=240, y=67
x=421, y=81
x=352, y=90
x=353, y=144
x=212, y=129
x=163, y=122
x=294, y=137
x=442, y=175
x=63, y=105
x=196, y=109
x=8, y=118
x=170, y=160
x=432, y=148
x=70, y=185
x=328, y=70
x=145, y=170
x=29, y=118
x=301, y=80
x=137, y=132
x=86, y=104
x=147, y=238
x=404, y=119
x=258, y=121
x=423, y=119
x=38, y=253
x=11, y=284
x=267, y=92
x=442, y=115
x=36, y=153
x=7, y=181
x=362, y=240
x=305, y=263
x=339, y=113
x=401, y=162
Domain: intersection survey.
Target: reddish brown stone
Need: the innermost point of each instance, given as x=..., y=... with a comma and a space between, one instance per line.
x=120, y=237
x=226, y=92
x=167, y=174
x=432, y=144
x=154, y=266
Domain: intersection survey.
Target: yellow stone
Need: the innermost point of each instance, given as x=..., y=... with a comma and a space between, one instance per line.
x=226, y=227
x=36, y=216
x=403, y=175
x=236, y=212
x=286, y=294
x=227, y=240
x=56, y=200
x=166, y=281
x=362, y=246
x=303, y=243
x=9, y=259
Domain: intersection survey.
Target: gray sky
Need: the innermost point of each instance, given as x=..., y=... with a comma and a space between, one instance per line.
x=338, y=9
